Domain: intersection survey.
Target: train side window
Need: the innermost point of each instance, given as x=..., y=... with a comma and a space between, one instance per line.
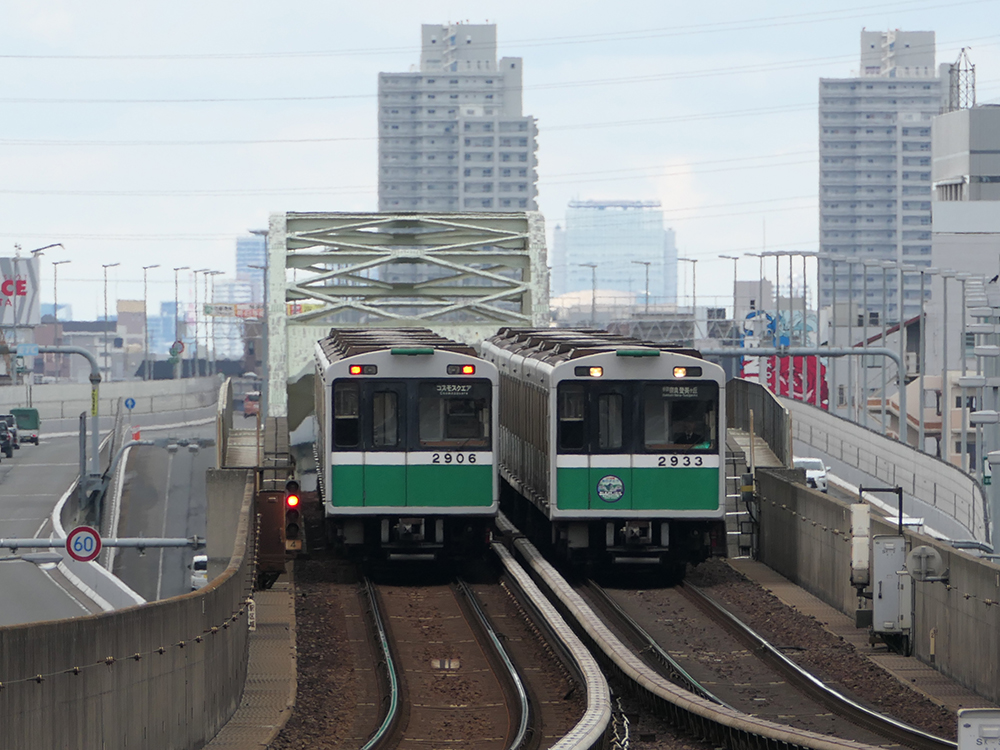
x=385, y=419
x=572, y=417
x=346, y=416
x=609, y=417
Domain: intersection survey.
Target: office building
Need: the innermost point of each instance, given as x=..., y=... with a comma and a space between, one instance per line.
x=619, y=237
x=875, y=168
x=252, y=251
x=452, y=136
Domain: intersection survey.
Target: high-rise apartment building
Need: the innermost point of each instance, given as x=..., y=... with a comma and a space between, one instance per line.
x=452, y=136
x=619, y=237
x=875, y=169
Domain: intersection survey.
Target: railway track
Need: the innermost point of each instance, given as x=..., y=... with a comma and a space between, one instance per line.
x=480, y=666
x=722, y=709
x=449, y=675
x=706, y=649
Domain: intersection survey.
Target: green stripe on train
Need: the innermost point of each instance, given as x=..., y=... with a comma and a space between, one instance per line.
x=356, y=486
x=637, y=489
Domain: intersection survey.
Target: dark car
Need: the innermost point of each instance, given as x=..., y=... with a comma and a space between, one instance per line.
x=6, y=440
x=12, y=427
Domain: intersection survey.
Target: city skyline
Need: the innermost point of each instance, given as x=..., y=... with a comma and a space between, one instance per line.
x=130, y=159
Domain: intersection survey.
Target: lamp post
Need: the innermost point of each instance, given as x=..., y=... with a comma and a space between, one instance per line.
x=944, y=440
x=107, y=362
x=593, y=291
x=760, y=286
x=962, y=278
x=213, y=274
x=177, y=324
x=735, y=259
x=56, y=338
x=646, y=264
x=694, y=291
x=923, y=355
x=145, y=321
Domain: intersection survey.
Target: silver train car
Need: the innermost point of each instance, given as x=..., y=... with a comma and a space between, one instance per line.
x=407, y=423
x=611, y=450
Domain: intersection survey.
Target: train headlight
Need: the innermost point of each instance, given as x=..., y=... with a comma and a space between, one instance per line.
x=588, y=372
x=461, y=369
x=364, y=369
x=680, y=372
x=687, y=372
x=596, y=372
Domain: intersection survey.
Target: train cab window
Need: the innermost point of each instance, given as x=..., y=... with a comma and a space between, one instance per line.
x=385, y=419
x=680, y=416
x=346, y=415
x=609, y=417
x=572, y=417
x=455, y=415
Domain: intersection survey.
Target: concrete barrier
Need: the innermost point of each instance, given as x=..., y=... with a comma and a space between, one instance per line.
x=64, y=400
x=805, y=536
x=947, y=497
x=770, y=417
x=166, y=674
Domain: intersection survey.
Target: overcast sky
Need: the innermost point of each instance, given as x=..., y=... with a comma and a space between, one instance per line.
x=145, y=133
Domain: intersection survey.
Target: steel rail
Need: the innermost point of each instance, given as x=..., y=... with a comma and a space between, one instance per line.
x=522, y=694
x=392, y=712
x=886, y=726
x=647, y=644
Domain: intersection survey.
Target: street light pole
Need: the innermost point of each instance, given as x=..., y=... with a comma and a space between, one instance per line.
x=694, y=292
x=593, y=291
x=923, y=355
x=646, y=264
x=213, y=274
x=177, y=325
x=145, y=321
x=56, y=338
x=735, y=259
x=107, y=363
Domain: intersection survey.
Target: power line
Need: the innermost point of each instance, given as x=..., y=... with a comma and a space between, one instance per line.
x=606, y=37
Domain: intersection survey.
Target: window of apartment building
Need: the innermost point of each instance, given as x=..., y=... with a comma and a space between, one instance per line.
x=453, y=96
x=453, y=81
x=522, y=157
x=505, y=202
x=522, y=173
x=505, y=173
x=487, y=202
x=523, y=203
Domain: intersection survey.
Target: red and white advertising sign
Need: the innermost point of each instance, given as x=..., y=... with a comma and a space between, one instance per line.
x=19, y=292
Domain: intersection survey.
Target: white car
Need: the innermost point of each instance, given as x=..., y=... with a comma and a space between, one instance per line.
x=199, y=572
x=815, y=472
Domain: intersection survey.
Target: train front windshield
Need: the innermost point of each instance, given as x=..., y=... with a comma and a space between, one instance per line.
x=638, y=417
x=396, y=415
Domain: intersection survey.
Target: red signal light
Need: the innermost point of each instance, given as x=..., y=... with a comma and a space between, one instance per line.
x=355, y=369
x=292, y=501
x=468, y=369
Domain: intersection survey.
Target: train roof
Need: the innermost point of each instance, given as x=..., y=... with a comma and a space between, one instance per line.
x=349, y=342
x=562, y=344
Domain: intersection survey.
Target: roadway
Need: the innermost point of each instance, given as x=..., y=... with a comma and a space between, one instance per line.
x=32, y=483
x=163, y=495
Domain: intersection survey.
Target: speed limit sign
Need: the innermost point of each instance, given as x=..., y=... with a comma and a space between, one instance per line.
x=83, y=544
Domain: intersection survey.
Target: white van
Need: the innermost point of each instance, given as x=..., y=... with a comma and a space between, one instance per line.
x=199, y=572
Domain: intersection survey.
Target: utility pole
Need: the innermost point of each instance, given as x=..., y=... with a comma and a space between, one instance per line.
x=56, y=338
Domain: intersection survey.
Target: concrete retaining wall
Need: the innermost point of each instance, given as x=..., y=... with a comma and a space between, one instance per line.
x=937, y=487
x=805, y=536
x=167, y=674
x=62, y=400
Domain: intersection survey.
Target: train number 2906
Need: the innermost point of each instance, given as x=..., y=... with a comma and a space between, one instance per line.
x=680, y=461
x=453, y=458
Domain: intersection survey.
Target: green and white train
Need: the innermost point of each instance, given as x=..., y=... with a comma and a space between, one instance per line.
x=611, y=450
x=407, y=423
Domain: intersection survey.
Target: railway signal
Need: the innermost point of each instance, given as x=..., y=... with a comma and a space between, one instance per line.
x=293, y=515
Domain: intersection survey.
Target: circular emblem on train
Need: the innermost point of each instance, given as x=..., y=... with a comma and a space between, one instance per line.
x=610, y=489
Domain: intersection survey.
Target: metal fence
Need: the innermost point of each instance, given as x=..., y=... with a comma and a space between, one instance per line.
x=771, y=419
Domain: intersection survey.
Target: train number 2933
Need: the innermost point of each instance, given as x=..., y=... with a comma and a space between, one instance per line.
x=679, y=461
x=453, y=458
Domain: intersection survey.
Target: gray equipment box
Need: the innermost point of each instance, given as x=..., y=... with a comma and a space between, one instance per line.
x=892, y=588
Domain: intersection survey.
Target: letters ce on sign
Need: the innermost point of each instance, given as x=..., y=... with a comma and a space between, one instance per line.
x=19, y=291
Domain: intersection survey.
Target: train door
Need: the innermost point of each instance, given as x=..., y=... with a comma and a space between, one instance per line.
x=385, y=443
x=610, y=460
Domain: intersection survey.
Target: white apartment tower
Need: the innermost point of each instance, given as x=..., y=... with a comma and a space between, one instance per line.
x=452, y=136
x=875, y=171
